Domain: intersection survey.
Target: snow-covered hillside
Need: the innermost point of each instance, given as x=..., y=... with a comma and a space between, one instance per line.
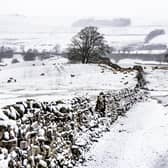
x=43, y=33
x=137, y=140
x=53, y=79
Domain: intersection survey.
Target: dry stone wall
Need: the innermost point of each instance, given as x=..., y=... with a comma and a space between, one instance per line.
x=59, y=133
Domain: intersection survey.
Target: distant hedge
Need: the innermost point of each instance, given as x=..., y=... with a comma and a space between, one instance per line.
x=30, y=55
x=14, y=61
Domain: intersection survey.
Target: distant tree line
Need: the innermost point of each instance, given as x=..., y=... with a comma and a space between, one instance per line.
x=32, y=54
x=29, y=55
x=6, y=52
x=87, y=46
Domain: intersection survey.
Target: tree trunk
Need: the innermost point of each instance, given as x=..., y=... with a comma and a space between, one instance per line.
x=87, y=60
x=83, y=60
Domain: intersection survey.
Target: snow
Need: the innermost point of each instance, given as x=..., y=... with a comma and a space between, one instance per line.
x=15, y=33
x=138, y=140
x=162, y=39
x=60, y=80
x=131, y=62
x=158, y=79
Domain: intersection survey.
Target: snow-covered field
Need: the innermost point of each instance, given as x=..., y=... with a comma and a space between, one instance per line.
x=55, y=79
x=18, y=34
x=138, y=140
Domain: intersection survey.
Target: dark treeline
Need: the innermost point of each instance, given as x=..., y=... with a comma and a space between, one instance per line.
x=28, y=55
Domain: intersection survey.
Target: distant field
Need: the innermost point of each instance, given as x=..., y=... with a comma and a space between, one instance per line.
x=47, y=37
x=159, y=57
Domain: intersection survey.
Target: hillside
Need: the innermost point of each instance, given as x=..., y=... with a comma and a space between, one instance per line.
x=54, y=78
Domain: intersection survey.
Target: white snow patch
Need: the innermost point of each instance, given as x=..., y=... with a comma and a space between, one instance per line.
x=136, y=141
x=53, y=79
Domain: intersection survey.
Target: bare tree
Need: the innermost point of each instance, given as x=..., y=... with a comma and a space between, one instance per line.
x=57, y=49
x=166, y=57
x=87, y=44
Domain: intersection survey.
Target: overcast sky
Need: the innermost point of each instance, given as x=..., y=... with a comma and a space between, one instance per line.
x=86, y=8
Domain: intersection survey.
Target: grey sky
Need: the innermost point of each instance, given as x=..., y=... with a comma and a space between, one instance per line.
x=84, y=8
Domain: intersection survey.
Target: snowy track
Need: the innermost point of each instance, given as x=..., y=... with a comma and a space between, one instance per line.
x=139, y=140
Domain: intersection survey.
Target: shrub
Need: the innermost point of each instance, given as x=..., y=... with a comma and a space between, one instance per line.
x=30, y=55
x=14, y=61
